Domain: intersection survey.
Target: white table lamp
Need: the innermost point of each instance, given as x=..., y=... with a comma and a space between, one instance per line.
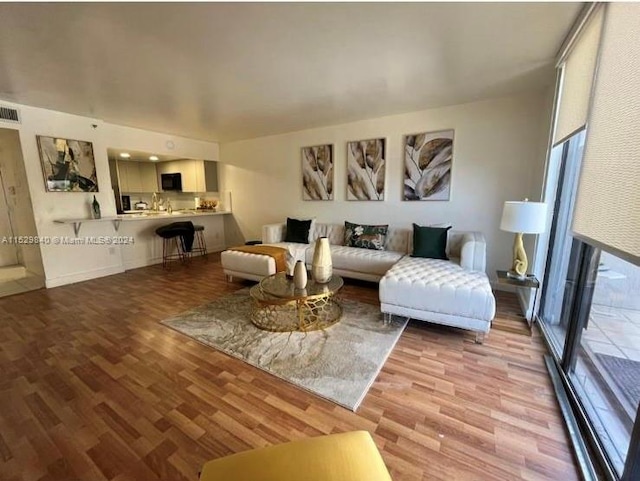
x=523, y=217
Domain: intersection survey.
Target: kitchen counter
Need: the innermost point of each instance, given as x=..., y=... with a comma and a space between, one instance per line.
x=147, y=215
x=147, y=246
x=143, y=246
x=144, y=215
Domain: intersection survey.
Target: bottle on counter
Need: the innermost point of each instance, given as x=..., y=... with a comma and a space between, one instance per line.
x=95, y=208
x=196, y=202
x=169, y=208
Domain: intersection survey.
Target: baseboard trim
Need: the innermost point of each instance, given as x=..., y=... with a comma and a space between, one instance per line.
x=83, y=276
x=139, y=262
x=13, y=272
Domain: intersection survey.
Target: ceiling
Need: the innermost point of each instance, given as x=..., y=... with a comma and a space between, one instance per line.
x=138, y=156
x=225, y=71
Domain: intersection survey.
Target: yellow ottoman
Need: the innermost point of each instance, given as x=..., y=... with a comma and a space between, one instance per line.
x=340, y=457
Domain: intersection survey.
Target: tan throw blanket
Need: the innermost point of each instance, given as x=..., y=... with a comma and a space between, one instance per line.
x=277, y=253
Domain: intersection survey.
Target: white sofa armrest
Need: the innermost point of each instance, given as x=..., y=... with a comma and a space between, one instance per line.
x=272, y=233
x=473, y=251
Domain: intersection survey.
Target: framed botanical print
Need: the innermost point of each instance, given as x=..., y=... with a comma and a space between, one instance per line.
x=428, y=158
x=317, y=172
x=366, y=163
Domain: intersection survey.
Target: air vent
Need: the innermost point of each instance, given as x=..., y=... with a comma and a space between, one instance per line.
x=8, y=114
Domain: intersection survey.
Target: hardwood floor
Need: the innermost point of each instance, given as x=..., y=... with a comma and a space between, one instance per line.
x=92, y=387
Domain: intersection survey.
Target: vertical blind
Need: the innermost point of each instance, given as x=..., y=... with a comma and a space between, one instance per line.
x=577, y=78
x=607, y=209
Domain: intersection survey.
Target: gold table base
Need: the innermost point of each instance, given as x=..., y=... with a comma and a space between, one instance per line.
x=278, y=314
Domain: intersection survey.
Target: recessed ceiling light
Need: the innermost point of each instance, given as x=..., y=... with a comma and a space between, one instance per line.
x=154, y=157
x=125, y=155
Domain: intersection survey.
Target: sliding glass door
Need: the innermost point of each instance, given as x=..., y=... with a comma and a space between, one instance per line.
x=561, y=264
x=604, y=366
x=590, y=316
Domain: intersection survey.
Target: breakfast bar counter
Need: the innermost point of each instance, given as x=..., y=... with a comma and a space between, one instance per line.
x=146, y=247
x=143, y=246
x=177, y=214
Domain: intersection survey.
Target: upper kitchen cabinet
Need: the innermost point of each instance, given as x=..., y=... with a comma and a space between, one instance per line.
x=148, y=177
x=206, y=176
x=210, y=176
x=137, y=177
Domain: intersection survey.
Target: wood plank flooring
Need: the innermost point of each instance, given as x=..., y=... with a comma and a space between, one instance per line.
x=93, y=388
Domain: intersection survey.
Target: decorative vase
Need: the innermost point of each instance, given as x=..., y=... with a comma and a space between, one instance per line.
x=300, y=275
x=322, y=267
x=95, y=208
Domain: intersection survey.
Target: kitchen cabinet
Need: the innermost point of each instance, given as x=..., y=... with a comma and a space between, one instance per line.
x=210, y=176
x=148, y=177
x=133, y=173
x=206, y=176
x=123, y=176
x=189, y=171
x=137, y=177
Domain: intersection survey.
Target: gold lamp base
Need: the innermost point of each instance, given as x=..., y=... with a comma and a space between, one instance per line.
x=520, y=262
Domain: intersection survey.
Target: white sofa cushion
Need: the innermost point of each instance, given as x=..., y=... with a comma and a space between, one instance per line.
x=246, y=265
x=439, y=286
x=356, y=259
x=335, y=233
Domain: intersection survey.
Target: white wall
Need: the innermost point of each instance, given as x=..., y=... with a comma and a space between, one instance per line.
x=498, y=155
x=66, y=264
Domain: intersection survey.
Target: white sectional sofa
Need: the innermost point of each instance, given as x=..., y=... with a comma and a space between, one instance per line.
x=454, y=292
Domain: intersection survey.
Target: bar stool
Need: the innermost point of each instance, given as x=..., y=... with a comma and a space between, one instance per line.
x=173, y=250
x=199, y=244
x=173, y=242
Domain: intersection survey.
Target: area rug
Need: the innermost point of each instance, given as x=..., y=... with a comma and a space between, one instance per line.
x=339, y=363
x=626, y=374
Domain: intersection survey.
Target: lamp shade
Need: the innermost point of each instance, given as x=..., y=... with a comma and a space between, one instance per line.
x=524, y=217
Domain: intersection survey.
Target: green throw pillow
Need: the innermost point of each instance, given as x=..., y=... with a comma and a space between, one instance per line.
x=365, y=236
x=430, y=242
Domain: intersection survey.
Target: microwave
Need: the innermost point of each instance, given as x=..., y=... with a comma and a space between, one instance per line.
x=171, y=181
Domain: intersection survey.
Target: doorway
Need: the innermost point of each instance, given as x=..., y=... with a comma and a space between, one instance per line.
x=8, y=250
x=21, y=266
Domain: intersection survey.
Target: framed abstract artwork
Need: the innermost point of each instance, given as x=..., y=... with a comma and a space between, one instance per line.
x=317, y=172
x=366, y=163
x=67, y=165
x=428, y=158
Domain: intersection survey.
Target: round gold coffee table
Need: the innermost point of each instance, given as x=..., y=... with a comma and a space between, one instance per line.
x=279, y=306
